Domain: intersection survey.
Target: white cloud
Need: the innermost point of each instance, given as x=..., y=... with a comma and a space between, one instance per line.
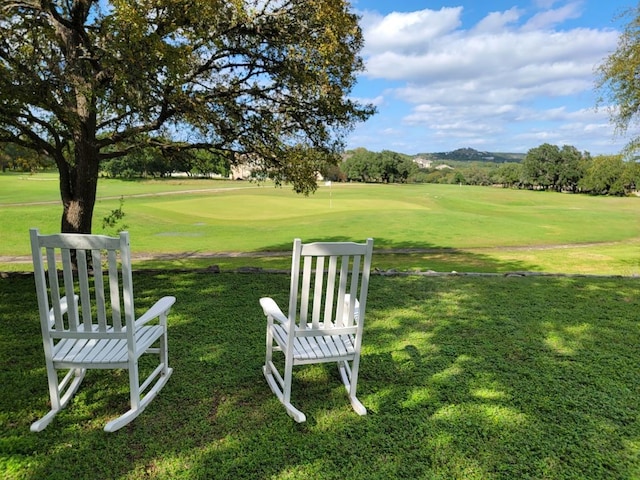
x=497, y=21
x=405, y=32
x=483, y=55
x=549, y=18
x=511, y=80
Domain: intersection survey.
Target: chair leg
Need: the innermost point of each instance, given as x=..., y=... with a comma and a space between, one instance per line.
x=138, y=405
x=279, y=386
x=60, y=392
x=272, y=380
x=349, y=377
x=161, y=375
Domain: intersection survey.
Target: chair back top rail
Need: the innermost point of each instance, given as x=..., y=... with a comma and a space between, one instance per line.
x=333, y=248
x=78, y=241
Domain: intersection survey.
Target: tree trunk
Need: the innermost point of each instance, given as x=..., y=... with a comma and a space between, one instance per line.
x=79, y=175
x=78, y=187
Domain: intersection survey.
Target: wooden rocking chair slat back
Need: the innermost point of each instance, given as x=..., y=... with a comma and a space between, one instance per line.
x=320, y=283
x=74, y=270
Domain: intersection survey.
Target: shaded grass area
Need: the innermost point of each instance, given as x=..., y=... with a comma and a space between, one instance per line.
x=621, y=259
x=616, y=259
x=463, y=377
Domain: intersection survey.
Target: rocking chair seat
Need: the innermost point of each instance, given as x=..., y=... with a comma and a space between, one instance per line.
x=94, y=352
x=317, y=348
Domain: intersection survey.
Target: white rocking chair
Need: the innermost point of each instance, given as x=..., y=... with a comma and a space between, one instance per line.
x=87, y=324
x=327, y=302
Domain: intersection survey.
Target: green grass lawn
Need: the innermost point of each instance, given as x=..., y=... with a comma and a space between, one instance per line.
x=487, y=377
x=464, y=377
x=452, y=228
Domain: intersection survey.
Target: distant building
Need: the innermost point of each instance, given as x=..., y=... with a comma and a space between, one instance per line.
x=244, y=166
x=248, y=166
x=241, y=172
x=423, y=162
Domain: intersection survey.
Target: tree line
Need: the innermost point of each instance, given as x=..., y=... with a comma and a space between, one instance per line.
x=385, y=167
x=139, y=163
x=546, y=167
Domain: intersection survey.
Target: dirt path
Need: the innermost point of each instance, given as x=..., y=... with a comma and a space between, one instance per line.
x=205, y=255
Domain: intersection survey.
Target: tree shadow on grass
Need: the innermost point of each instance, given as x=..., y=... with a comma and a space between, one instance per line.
x=463, y=377
x=420, y=255
x=526, y=376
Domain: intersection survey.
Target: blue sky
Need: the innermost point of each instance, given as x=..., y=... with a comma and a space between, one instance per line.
x=502, y=76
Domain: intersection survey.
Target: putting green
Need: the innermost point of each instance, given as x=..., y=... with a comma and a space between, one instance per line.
x=262, y=207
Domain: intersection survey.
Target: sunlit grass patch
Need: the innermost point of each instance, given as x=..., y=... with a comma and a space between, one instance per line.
x=442, y=228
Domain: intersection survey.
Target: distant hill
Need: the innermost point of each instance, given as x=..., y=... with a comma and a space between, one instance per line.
x=471, y=155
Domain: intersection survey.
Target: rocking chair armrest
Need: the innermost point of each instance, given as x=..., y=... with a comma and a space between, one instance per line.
x=271, y=309
x=64, y=308
x=162, y=306
x=356, y=307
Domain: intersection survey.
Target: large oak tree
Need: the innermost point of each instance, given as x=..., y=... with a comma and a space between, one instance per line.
x=265, y=81
x=551, y=167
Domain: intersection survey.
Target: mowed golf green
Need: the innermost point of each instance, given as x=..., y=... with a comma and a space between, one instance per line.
x=443, y=226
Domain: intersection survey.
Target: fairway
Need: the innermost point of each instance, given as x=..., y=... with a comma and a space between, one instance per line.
x=426, y=226
x=259, y=207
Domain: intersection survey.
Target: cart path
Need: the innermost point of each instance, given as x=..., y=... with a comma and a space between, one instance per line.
x=272, y=253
